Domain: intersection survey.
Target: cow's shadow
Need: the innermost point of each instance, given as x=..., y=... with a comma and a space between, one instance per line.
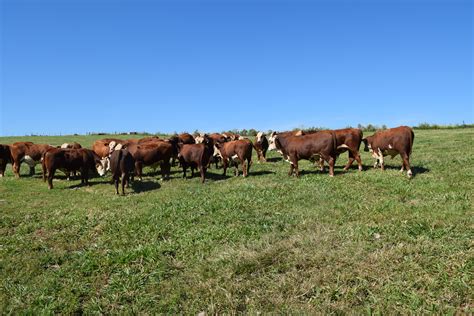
x=274, y=159
x=144, y=186
x=416, y=170
x=319, y=172
x=260, y=173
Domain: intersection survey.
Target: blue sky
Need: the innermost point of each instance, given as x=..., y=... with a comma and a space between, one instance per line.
x=81, y=66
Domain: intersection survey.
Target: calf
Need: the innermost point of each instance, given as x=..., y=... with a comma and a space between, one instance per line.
x=152, y=154
x=391, y=142
x=122, y=165
x=311, y=146
x=29, y=153
x=196, y=156
x=5, y=158
x=236, y=151
x=261, y=146
x=83, y=160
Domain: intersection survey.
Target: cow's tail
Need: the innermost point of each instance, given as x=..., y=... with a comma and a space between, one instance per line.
x=43, y=165
x=361, y=136
x=334, y=141
x=412, y=139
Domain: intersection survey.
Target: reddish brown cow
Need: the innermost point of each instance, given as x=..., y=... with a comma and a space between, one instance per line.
x=186, y=138
x=152, y=154
x=311, y=146
x=83, y=160
x=229, y=136
x=5, y=158
x=196, y=156
x=348, y=139
x=103, y=147
x=29, y=153
x=391, y=142
x=261, y=146
x=236, y=151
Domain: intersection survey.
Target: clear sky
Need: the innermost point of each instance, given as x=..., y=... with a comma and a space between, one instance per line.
x=75, y=66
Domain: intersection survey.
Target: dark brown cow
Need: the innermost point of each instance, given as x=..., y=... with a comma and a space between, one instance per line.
x=152, y=154
x=122, y=166
x=29, y=153
x=196, y=156
x=5, y=158
x=83, y=160
x=391, y=142
x=103, y=147
x=311, y=146
x=261, y=146
x=186, y=138
x=236, y=151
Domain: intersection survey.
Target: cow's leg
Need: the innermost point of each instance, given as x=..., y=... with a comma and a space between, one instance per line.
x=224, y=165
x=3, y=166
x=16, y=168
x=50, y=178
x=116, y=183
x=331, y=162
x=202, y=169
x=45, y=172
x=249, y=162
x=290, y=173
x=406, y=163
x=382, y=166
x=165, y=166
x=359, y=161
x=138, y=169
x=183, y=164
x=192, y=171
x=321, y=164
x=351, y=160
x=124, y=180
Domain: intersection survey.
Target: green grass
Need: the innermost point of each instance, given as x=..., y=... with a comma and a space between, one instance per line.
x=361, y=242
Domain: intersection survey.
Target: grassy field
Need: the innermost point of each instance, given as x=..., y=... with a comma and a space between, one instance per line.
x=360, y=242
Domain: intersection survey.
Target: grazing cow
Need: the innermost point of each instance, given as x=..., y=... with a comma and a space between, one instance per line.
x=122, y=166
x=391, y=142
x=29, y=153
x=5, y=158
x=311, y=147
x=83, y=160
x=72, y=145
x=236, y=151
x=152, y=154
x=261, y=146
x=103, y=147
x=196, y=156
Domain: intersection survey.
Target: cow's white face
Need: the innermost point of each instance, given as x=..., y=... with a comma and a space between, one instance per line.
x=199, y=139
x=259, y=136
x=217, y=152
x=272, y=142
x=65, y=145
x=103, y=166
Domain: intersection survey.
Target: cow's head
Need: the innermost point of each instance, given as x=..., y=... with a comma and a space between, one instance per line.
x=102, y=166
x=272, y=141
x=200, y=138
x=367, y=143
x=260, y=136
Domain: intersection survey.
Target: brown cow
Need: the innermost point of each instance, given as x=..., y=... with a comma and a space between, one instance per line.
x=122, y=166
x=103, y=147
x=261, y=146
x=5, y=158
x=186, y=138
x=311, y=146
x=229, y=136
x=216, y=139
x=391, y=142
x=83, y=160
x=272, y=144
x=72, y=145
x=29, y=153
x=196, y=156
x=236, y=151
x=152, y=154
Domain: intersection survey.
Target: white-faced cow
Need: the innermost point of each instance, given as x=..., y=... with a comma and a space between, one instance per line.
x=391, y=142
x=196, y=156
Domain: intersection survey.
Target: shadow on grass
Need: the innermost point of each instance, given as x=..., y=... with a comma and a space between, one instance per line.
x=144, y=186
x=274, y=159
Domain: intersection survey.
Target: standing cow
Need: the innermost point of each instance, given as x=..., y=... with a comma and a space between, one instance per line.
x=5, y=158
x=261, y=146
x=28, y=153
x=197, y=156
x=122, y=166
x=236, y=151
x=391, y=142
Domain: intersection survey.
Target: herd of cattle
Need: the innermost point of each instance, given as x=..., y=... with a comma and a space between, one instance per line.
x=126, y=158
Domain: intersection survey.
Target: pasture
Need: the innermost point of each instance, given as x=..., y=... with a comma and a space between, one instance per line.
x=362, y=242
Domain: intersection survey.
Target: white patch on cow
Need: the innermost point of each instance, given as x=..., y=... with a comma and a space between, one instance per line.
x=65, y=145
x=342, y=146
x=217, y=152
x=103, y=166
x=299, y=133
x=390, y=146
x=118, y=147
x=409, y=173
x=242, y=137
x=271, y=142
x=259, y=136
x=235, y=157
x=199, y=139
